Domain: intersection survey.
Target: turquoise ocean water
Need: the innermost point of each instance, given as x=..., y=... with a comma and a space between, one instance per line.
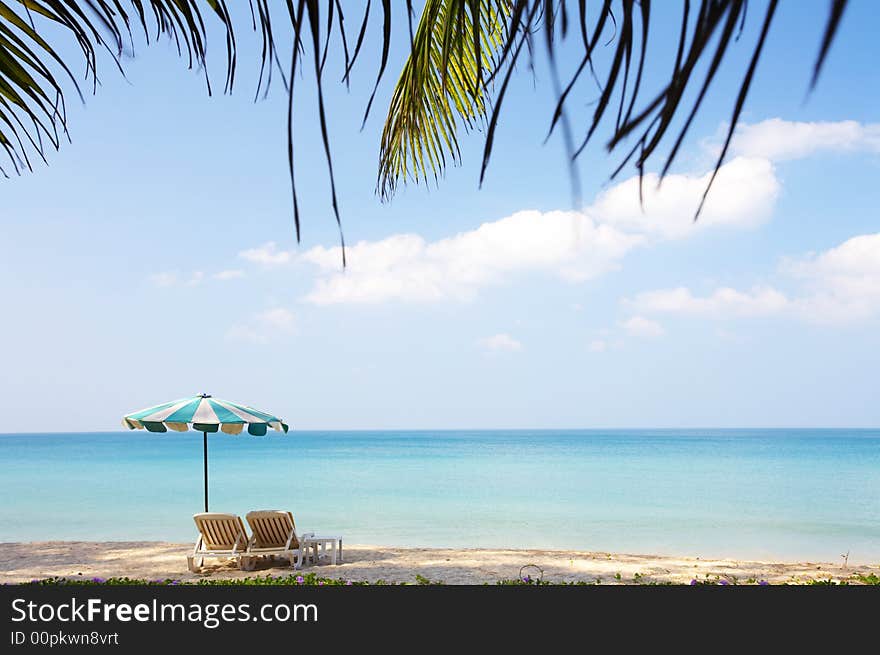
x=784, y=494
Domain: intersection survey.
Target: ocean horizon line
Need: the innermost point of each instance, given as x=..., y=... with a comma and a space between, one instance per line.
x=494, y=429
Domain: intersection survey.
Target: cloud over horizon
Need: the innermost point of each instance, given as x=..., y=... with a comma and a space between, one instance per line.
x=839, y=285
x=669, y=207
x=581, y=246
x=406, y=267
x=572, y=246
x=780, y=140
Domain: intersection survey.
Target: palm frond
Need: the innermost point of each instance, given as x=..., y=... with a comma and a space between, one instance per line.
x=441, y=84
x=32, y=106
x=420, y=130
x=458, y=52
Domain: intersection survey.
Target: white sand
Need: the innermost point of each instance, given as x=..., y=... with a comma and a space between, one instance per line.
x=151, y=560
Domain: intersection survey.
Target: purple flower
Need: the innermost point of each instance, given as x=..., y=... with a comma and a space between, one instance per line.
x=348, y=584
x=763, y=583
x=527, y=579
x=320, y=583
x=693, y=582
x=175, y=582
x=724, y=582
x=99, y=580
x=299, y=579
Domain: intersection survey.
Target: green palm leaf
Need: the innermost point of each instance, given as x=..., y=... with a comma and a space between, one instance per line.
x=440, y=87
x=460, y=49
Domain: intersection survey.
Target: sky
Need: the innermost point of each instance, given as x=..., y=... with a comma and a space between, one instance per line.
x=154, y=257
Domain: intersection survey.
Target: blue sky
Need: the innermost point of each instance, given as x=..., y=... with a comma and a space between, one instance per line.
x=155, y=258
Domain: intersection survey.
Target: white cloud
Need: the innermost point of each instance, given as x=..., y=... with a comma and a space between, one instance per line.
x=841, y=284
x=598, y=346
x=743, y=195
x=406, y=267
x=724, y=302
x=574, y=246
x=570, y=245
x=778, y=140
x=267, y=255
x=854, y=265
x=228, y=275
x=579, y=246
x=501, y=342
x=264, y=327
x=173, y=279
x=639, y=326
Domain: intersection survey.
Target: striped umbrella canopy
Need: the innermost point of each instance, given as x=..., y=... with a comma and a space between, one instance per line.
x=205, y=414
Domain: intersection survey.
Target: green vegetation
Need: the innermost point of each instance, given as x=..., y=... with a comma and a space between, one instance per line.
x=313, y=580
x=870, y=579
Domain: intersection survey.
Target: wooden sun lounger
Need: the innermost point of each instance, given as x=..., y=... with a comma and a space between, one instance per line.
x=274, y=533
x=220, y=535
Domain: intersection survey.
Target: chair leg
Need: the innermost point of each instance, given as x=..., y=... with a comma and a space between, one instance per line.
x=296, y=559
x=191, y=564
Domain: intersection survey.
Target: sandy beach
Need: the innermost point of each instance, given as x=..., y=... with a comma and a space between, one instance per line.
x=22, y=562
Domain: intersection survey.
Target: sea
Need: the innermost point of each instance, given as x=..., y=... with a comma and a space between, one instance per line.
x=780, y=494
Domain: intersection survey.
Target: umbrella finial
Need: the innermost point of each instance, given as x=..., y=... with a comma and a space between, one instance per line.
x=206, y=395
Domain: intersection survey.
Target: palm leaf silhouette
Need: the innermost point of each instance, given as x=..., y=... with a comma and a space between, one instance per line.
x=462, y=56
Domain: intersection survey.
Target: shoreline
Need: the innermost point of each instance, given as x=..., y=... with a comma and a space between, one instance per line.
x=26, y=561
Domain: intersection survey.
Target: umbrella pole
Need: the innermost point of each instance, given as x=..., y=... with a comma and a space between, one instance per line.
x=205, y=448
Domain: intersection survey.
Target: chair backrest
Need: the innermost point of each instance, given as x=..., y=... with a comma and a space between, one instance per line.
x=272, y=528
x=221, y=531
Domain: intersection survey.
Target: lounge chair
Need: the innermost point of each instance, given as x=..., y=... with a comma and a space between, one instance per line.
x=220, y=535
x=274, y=533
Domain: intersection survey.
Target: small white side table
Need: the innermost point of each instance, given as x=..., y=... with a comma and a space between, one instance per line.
x=319, y=546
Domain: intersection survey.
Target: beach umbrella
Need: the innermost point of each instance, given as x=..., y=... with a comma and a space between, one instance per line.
x=205, y=414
